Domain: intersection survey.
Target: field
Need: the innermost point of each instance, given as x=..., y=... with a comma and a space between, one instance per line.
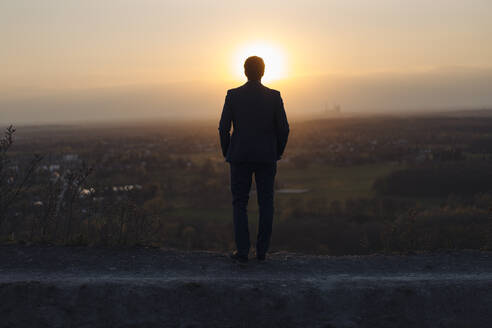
x=344, y=186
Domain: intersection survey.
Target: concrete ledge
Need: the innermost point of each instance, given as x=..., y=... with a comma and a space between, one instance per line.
x=206, y=290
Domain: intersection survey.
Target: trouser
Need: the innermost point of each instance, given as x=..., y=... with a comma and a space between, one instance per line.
x=241, y=177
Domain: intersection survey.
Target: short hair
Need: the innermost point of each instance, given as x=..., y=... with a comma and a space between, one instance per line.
x=254, y=67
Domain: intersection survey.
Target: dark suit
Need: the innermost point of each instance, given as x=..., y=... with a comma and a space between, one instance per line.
x=258, y=141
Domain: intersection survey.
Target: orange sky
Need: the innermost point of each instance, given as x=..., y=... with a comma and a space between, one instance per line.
x=55, y=49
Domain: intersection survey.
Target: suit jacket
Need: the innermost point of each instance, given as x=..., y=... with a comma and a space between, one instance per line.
x=260, y=124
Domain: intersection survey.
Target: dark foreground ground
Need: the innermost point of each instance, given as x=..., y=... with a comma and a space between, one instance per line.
x=139, y=287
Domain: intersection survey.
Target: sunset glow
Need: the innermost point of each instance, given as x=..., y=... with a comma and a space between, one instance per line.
x=273, y=56
x=100, y=60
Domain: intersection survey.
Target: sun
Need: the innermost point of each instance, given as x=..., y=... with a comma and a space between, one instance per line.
x=273, y=56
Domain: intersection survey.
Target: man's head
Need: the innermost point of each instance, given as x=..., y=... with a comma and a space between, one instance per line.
x=254, y=67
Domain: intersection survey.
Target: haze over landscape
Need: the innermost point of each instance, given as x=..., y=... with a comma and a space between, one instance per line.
x=119, y=60
x=361, y=196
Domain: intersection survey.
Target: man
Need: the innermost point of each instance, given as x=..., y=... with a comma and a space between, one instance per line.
x=257, y=143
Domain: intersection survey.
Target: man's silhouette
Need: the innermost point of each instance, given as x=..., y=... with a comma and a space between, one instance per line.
x=257, y=143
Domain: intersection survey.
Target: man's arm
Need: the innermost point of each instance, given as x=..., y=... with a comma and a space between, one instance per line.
x=282, y=127
x=225, y=125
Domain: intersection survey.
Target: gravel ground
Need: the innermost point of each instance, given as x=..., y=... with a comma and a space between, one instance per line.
x=51, y=286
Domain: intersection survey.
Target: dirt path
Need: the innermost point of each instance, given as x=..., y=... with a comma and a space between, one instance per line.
x=139, y=287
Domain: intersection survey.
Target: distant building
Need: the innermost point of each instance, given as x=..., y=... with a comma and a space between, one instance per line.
x=54, y=167
x=70, y=157
x=336, y=109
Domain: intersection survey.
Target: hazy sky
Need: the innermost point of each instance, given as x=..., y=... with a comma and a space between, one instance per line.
x=132, y=58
